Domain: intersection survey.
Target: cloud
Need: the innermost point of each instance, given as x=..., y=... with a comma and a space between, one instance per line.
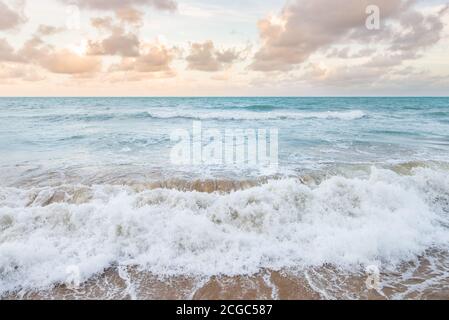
x=7, y=52
x=154, y=58
x=126, y=45
x=417, y=33
x=422, y=31
x=119, y=42
x=168, y=5
x=15, y=66
x=9, y=19
x=34, y=49
x=18, y=72
x=205, y=57
x=130, y=16
x=8, y=72
x=66, y=62
x=136, y=56
x=349, y=53
x=306, y=27
x=105, y=23
x=368, y=79
x=46, y=30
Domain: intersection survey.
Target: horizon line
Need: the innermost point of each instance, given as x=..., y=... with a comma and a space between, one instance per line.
x=249, y=96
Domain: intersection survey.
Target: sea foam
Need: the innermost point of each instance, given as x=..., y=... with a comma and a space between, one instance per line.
x=250, y=115
x=381, y=218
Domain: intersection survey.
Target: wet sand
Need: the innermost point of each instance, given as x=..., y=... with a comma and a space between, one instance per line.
x=413, y=281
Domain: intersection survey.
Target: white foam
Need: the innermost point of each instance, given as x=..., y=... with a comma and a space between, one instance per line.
x=381, y=218
x=249, y=115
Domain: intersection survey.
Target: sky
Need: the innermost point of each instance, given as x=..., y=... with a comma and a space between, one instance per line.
x=224, y=48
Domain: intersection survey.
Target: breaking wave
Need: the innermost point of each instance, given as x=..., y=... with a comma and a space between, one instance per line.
x=249, y=115
x=383, y=217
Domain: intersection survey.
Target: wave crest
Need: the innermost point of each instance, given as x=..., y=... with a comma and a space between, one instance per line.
x=248, y=115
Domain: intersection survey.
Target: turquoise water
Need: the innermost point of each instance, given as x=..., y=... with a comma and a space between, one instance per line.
x=54, y=133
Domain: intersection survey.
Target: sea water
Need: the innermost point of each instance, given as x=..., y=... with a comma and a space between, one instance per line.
x=89, y=182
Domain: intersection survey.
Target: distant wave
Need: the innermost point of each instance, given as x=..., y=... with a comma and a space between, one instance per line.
x=253, y=113
x=254, y=107
x=247, y=115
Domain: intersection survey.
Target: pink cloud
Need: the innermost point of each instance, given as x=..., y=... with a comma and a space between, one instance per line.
x=205, y=57
x=306, y=27
x=169, y=5
x=9, y=18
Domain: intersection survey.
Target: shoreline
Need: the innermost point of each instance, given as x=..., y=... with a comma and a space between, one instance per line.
x=318, y=283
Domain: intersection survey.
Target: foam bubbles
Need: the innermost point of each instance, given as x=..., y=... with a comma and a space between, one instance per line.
x=382, y=217
x=250, y=115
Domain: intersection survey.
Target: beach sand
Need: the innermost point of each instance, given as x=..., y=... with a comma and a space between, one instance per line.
x=411, y=281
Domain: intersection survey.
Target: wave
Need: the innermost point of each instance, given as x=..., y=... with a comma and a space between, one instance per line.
x=248, y=115
x=384, y=217
x=94, y=117
x=254, y=107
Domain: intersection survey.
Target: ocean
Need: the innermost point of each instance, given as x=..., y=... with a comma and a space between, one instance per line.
x=92, y=204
